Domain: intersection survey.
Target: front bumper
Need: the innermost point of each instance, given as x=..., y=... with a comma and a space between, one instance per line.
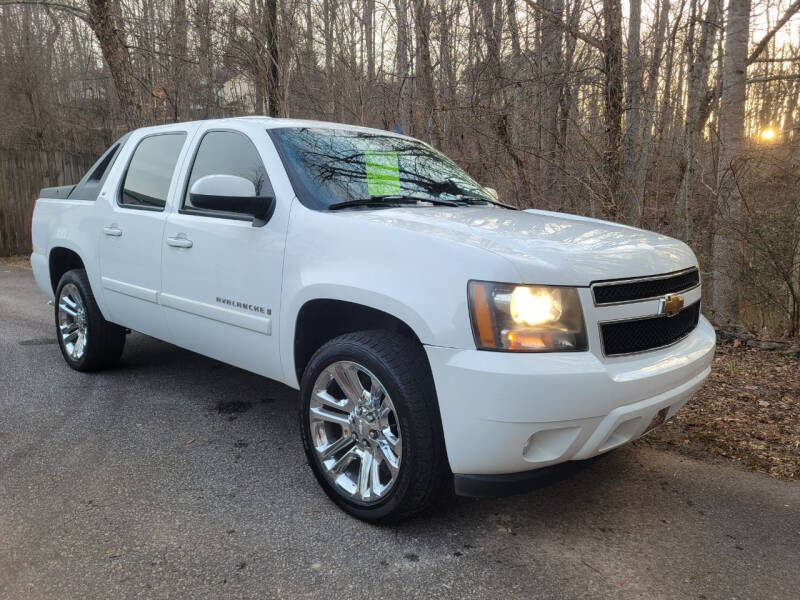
x=510, y=484
x=509, y=413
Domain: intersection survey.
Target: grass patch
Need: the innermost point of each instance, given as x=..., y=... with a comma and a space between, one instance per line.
x=21, y=262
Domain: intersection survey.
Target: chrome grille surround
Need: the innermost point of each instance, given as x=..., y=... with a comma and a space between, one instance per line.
x=633, y=326
x=623, y=291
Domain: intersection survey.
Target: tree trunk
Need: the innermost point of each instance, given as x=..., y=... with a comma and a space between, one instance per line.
x=492, y=30
x=329, y=16
x=402, y=66
x=696, y=116
x=369, y=38
x=650, y=104
x=274, y=83
x=631, y=142
x=552, y=79
x=446, y=71
x=564, y=110
x=516, y=61
x=431, y=98
x=789, y=113
x=310, y=58
x=511, y=130
x=178, y=66
x=111, y=37
x=725, y=249
x=612, y=42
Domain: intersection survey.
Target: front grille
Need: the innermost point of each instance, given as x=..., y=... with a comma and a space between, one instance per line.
x=638, y=335
x=641, y=289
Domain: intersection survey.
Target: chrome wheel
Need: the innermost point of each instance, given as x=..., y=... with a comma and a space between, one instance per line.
x=72, y=321
x=355, y=431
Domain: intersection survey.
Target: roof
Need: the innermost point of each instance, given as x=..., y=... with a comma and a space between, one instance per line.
x=275, y=123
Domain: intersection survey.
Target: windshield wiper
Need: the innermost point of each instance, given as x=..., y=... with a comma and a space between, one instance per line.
x=472, y=200
x=388, y=200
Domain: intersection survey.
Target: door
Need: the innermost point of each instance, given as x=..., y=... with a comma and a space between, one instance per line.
x=132, y=228
x=221, y=279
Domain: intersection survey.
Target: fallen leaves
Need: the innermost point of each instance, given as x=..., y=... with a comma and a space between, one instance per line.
x=747, y=411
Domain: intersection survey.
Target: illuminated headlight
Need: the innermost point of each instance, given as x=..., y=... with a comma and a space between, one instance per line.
x=526, y=318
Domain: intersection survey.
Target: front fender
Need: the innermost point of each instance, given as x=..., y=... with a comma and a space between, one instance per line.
x=354, y=295
x=416, y=277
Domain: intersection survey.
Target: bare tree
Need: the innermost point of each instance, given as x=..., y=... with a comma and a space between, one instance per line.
x=104, y=20
x=551, y=68
x=696, y=113
x=731, y=134
x=179, y=53
x=612, y=96
x=402, y=65
x=631, y=145
x=641, y=159
x=425, y=68
x=560, y=104
x=369, y=38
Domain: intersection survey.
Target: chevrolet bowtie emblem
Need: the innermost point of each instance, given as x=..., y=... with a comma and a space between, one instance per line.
x=670, y=305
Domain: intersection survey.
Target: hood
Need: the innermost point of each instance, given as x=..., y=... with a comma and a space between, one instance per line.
x=546, y=247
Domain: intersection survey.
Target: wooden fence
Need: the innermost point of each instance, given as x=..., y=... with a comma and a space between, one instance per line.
x=22, y=174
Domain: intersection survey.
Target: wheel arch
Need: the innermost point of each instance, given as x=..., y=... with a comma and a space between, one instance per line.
x=60, y=260
x=319, y=320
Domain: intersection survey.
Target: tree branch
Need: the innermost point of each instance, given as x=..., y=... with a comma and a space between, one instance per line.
x=768, y=78
x=68, y=8
x=569, y=28
x=771, y=34
x=793, y=59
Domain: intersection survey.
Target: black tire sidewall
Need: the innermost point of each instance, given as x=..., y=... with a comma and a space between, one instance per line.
x=73, y=278
x=104, y=339
x=350, y=350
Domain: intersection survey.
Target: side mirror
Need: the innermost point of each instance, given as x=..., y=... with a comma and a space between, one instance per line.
x=493, y=193
x=232, y=194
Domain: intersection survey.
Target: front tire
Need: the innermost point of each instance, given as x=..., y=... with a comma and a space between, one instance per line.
x=88, y=342
x=370, y=426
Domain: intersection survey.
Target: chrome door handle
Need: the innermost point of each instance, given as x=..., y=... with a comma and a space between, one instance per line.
x=179, y=242
x=112, y=231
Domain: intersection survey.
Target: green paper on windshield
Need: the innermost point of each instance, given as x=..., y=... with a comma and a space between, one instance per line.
x=383, y=173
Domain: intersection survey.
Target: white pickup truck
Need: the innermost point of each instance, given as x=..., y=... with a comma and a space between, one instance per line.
x=439, y=339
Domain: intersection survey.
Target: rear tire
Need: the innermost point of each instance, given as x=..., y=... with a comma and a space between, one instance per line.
x=88, y=342
x=390, y=422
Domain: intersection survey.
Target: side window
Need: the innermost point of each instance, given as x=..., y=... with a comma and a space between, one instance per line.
x=150, y=171
x=228, y=153
x=102, y=165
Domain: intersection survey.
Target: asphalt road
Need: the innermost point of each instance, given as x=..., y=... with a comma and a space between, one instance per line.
x=175, y=476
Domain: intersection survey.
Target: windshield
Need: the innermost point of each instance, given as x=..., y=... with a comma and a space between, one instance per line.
x=330, y=167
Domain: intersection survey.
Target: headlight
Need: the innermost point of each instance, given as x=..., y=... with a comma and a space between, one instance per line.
x=526, y=318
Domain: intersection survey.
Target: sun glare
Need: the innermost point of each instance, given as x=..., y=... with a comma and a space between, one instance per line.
x=768, y=134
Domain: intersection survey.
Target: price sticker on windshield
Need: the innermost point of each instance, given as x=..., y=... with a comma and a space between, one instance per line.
x=383, y=173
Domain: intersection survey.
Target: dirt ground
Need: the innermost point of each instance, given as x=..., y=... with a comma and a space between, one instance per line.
x=748, y=411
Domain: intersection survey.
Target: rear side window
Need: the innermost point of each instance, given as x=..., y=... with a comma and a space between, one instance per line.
x=97, y=173
x=228, y=153
x=92, y=182
x=149, y=174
